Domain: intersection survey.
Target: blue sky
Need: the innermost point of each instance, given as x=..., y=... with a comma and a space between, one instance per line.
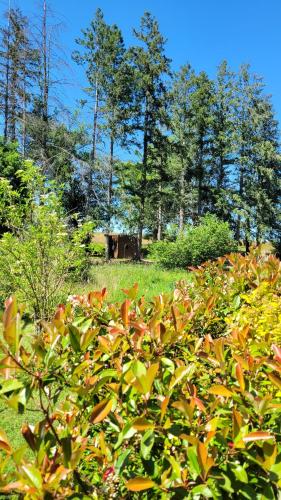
x=202, y=32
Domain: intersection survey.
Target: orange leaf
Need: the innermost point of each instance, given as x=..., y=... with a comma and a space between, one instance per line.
x=275, y=380
x=257, y=436
x=139, y=484
x=220, y=390
x=240, y=377
x=141, y=424
x=8, y=367
x=17, y=485
x=101, y=410
x=199, y=404
x=4, y=443
x=237, y=423
x=204, y=461
x=164, y=405
x=202, y=454
x=125, y=312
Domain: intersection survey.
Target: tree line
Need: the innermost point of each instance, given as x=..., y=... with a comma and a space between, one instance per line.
x=193, y=144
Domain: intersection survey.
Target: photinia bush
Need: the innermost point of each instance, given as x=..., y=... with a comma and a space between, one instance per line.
x=174, y=398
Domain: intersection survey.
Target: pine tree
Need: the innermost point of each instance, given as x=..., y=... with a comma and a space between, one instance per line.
x=182, y=135
x=17, y=59
x=104, y=55
x=257, y=197
x=151, y=68
x=116, y=107
x=223, y=140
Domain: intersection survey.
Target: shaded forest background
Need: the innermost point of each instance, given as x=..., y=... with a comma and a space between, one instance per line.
x=193, y=145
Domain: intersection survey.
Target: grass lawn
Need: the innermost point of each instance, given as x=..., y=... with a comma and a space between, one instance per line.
x=152, y=279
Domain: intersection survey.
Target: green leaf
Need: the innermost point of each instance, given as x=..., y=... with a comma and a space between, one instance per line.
x=86, y=324
x=74, y=338
x=10, y=385
x=138, y=369
x=180, y=373
x=66, y=448
x=194, y=465
x=11, y=324
x=203, y=490
x=147, y=443
x=240, y=473
x=33, y=475
x=121, y=461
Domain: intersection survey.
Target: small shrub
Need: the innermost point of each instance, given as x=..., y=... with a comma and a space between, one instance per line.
x=212, y=238
x=35, y=261
x=38, y=255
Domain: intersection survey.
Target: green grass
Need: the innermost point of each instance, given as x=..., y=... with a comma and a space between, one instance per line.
x=11, y=421
x=152, y=280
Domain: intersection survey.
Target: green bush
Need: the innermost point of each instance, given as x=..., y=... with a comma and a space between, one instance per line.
x=212, y=238
x=153, y=405
x=97, y=249
x=38, y=254
x=35, y=261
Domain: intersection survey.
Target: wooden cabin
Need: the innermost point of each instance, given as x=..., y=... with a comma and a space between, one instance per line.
x=121, y=246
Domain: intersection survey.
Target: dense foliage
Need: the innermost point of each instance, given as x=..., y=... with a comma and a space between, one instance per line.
x=177, y=398
x=212, y=238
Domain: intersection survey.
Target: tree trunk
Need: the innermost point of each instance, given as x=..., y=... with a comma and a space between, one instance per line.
x=46, y=83
x=110, y=183
x=7, y=81
x=94, y=148
x=200, y=180
x=159, y=216
x=24, y=109
x=181, y=211
x=95, y=124
x=143, y=184
x=45, y=65
x=13, y=106
x=247, y=235
x=241, y=193
x=109, y=194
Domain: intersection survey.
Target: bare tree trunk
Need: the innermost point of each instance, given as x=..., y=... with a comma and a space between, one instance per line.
x=24, y=108
x=7, y=79
x=45, y=65
x=45, y=83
